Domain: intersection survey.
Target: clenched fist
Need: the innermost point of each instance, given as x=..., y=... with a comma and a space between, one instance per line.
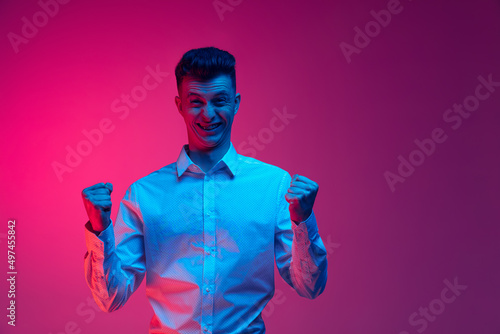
x=97, y=201
x=300, y=197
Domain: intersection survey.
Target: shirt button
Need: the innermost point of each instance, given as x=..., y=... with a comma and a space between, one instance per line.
x=207, y=289
x=205, y=329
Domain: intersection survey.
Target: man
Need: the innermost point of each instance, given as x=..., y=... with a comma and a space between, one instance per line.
x=207, y=228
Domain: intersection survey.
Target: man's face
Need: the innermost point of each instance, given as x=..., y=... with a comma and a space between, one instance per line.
x=208, y=108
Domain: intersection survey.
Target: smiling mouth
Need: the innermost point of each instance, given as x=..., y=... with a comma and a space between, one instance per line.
x=209, y=127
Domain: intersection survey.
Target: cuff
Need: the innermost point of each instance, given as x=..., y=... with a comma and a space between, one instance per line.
x=103, y=243
x=310, y=225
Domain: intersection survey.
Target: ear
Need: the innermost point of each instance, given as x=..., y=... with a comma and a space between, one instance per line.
x=178, y=103
x=237, y=100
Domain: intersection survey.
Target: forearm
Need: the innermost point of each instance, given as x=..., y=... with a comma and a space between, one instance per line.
x=109, y=284
x=308, y=267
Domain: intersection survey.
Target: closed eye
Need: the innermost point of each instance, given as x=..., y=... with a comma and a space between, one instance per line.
x=220, y=101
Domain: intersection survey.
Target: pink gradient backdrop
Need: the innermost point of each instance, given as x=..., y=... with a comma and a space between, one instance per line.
x=389, y=252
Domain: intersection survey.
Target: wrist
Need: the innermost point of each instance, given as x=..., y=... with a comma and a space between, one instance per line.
x=97, y=229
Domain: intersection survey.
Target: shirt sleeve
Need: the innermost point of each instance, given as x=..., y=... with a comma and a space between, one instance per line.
x=299, y=251
x=115, y=269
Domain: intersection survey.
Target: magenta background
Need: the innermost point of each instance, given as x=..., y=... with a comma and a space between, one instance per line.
x=393, y=250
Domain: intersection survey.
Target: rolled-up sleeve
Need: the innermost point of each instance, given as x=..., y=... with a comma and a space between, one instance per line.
x=300, y=254
x=114, y=268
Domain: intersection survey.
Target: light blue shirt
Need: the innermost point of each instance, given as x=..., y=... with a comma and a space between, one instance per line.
x=207, y=242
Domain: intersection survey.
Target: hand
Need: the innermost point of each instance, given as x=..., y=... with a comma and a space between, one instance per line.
x=301, y=195
x=97, y=201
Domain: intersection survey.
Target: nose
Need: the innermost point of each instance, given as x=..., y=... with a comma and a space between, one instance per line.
x=207, y=113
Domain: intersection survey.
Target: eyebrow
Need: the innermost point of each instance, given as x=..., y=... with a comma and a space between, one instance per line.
x=219, y=93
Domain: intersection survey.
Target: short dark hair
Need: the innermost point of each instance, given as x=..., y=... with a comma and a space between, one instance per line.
x=205, y=64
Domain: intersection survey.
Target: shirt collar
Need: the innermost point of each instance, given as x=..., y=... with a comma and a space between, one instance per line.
x=229, y=160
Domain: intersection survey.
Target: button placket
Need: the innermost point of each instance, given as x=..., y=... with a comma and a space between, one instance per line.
x=209, y=244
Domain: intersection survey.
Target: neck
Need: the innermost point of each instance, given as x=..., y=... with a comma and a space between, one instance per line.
x=206, y=159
